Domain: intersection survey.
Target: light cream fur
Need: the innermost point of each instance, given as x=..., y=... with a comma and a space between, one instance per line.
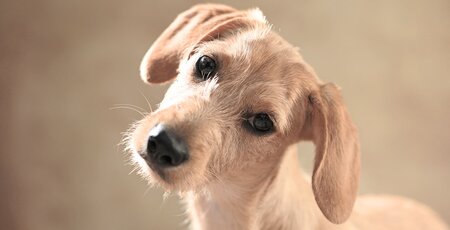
x=235, y=179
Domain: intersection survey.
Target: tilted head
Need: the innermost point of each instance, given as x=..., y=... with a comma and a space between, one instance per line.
x=240, y=95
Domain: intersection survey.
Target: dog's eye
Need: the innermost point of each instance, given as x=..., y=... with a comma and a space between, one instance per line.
x=261, y=122
x=205, y=67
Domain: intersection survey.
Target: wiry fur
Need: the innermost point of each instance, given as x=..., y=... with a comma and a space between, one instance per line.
x=235, y=179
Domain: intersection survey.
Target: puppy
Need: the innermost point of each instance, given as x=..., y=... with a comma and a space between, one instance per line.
x=224, y=137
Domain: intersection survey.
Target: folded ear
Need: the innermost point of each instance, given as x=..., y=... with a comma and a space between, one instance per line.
x=337, y=162
x=200, y=23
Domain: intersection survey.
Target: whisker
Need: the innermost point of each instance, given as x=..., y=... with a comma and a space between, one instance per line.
x=133, y=170
x=130, y=105
x=130, y=108
x=148, y=103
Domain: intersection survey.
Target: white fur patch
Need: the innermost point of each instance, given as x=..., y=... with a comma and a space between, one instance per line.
x=257, y=14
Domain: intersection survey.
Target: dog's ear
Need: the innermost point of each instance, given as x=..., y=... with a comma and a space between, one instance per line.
x=337, y=162
x=200, y=23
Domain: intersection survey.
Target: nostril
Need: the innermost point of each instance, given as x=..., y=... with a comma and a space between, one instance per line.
x=151, y=145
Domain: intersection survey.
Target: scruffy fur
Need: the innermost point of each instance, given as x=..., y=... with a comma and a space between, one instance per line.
x=234, y=178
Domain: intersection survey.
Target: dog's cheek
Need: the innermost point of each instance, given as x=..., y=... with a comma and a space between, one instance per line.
x=257, y=149
x=225, y=154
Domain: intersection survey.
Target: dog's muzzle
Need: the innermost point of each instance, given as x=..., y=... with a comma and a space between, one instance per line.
x=164, y=148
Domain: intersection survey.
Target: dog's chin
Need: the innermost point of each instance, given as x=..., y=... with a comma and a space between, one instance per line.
x=177, y=179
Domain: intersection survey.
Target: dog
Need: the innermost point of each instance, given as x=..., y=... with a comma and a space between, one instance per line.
x=224, y=136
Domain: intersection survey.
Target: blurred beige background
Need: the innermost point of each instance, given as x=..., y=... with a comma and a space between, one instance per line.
x=64, y=64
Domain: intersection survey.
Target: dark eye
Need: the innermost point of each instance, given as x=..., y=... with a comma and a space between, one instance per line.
x=261, y=122
x=206, y=67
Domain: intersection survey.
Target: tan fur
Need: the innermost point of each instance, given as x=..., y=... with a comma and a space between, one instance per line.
x=235, y=179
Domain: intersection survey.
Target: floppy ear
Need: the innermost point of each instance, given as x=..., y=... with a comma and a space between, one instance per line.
x=337, y=162
x=200, y=23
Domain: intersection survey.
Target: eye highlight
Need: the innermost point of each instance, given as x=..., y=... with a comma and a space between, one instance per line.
x=261, y=123
x=206, y=67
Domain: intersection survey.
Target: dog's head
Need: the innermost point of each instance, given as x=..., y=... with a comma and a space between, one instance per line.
x=240, y=95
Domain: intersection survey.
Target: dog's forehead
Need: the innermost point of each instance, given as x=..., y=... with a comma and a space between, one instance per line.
x=251, y=48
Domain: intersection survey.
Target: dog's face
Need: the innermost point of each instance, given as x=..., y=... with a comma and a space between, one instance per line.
x=240, y=96
x=230, y=105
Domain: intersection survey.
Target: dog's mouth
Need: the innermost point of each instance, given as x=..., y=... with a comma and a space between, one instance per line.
x=186, y=176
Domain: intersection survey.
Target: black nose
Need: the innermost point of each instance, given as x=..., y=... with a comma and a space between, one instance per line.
x=166, y=149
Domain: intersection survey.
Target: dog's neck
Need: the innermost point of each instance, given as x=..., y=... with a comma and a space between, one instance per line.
x=274, y=198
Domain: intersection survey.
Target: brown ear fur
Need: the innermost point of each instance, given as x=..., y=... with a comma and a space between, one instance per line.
x=337, y=162
x=198, y=24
